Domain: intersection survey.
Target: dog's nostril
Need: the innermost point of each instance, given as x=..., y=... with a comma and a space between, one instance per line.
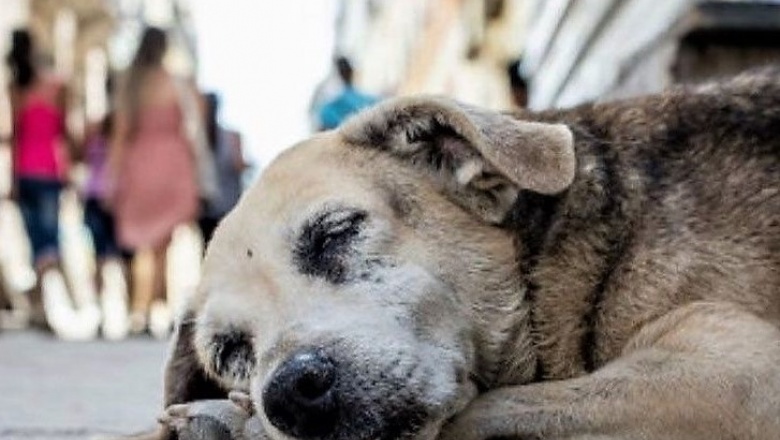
x=316, y=378
x=300, y=399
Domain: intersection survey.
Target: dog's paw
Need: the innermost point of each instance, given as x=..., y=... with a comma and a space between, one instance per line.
x=232, y=419
x=243, y=401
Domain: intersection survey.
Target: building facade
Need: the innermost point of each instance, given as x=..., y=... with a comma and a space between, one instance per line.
x=459, y=48
x=580, y=50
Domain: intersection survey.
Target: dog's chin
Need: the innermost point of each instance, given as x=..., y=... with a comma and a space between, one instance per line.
x=467, y=392
x=431, y=430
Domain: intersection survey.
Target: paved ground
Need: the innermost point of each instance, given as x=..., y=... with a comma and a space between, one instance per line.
x=56, y=390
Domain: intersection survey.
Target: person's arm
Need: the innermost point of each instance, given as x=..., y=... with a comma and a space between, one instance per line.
x=193, y=110
x=120, y=127
x=71, y=141
x=120, y=131
x=118, y=140
x=200, y=110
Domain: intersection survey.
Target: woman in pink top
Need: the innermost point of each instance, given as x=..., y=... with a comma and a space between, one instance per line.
x=40, y=162
x=39, y=155
x=154, y=165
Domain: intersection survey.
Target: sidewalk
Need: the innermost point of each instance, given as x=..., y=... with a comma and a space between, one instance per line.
x=55, y=390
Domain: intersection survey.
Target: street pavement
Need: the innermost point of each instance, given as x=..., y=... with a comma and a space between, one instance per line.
x=52, y=390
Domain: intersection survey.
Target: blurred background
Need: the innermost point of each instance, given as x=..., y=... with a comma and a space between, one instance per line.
x=279, y=71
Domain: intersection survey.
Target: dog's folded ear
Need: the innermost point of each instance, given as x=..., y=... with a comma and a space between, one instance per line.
x=483, y=157
x=186, y=379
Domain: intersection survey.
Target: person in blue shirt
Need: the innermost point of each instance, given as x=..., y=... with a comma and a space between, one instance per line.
x=346, y=103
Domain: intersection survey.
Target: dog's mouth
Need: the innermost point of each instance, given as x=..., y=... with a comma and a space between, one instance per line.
x=314, y=396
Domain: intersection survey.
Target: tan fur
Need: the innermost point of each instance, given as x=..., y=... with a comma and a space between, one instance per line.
x=607, y=272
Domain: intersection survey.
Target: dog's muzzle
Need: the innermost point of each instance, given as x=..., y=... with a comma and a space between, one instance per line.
x=300, y=399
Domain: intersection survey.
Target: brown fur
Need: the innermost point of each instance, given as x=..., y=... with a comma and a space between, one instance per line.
x=615, y=267
x=681, y=204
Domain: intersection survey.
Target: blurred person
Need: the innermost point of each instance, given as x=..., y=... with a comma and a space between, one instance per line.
x=518, y=84
x=40, y=162
x=110, y=277
x=155, y=178
x=346, y=103
x=229, y=163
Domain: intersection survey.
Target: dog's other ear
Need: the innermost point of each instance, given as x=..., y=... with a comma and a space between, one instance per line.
x=483, y=157
x=185, y=378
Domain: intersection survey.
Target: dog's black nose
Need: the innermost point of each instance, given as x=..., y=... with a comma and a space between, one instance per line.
x=300, y=399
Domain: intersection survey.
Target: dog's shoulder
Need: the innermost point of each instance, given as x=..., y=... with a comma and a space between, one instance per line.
x=677, y=181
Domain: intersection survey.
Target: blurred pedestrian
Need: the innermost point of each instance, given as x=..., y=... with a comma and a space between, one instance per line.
x=40, y=170
x=153, y=161
x=349, y=101
x=518, y=84
x=110, y=280
x=229, y=163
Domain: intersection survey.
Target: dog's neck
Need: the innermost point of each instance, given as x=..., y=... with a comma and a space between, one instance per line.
x=531, y=344
x=505, y=348
x=567, y=247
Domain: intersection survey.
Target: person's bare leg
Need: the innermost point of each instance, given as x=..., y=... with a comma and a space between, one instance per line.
x=159, y=311
x=142, y=268
x=160, y=254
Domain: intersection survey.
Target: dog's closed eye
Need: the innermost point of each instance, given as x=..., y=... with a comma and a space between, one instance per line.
x=325, y=240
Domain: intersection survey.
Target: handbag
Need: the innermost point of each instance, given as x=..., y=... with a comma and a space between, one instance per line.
x=206, y=171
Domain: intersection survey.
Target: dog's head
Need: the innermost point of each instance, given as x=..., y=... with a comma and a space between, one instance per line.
x=358, y=289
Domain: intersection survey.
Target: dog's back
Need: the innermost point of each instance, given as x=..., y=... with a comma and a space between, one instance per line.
x=677, y=200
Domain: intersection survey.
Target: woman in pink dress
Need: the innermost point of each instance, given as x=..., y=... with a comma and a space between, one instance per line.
x=154, y=166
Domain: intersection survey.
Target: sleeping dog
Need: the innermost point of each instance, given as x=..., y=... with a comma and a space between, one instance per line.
x=435, y=270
